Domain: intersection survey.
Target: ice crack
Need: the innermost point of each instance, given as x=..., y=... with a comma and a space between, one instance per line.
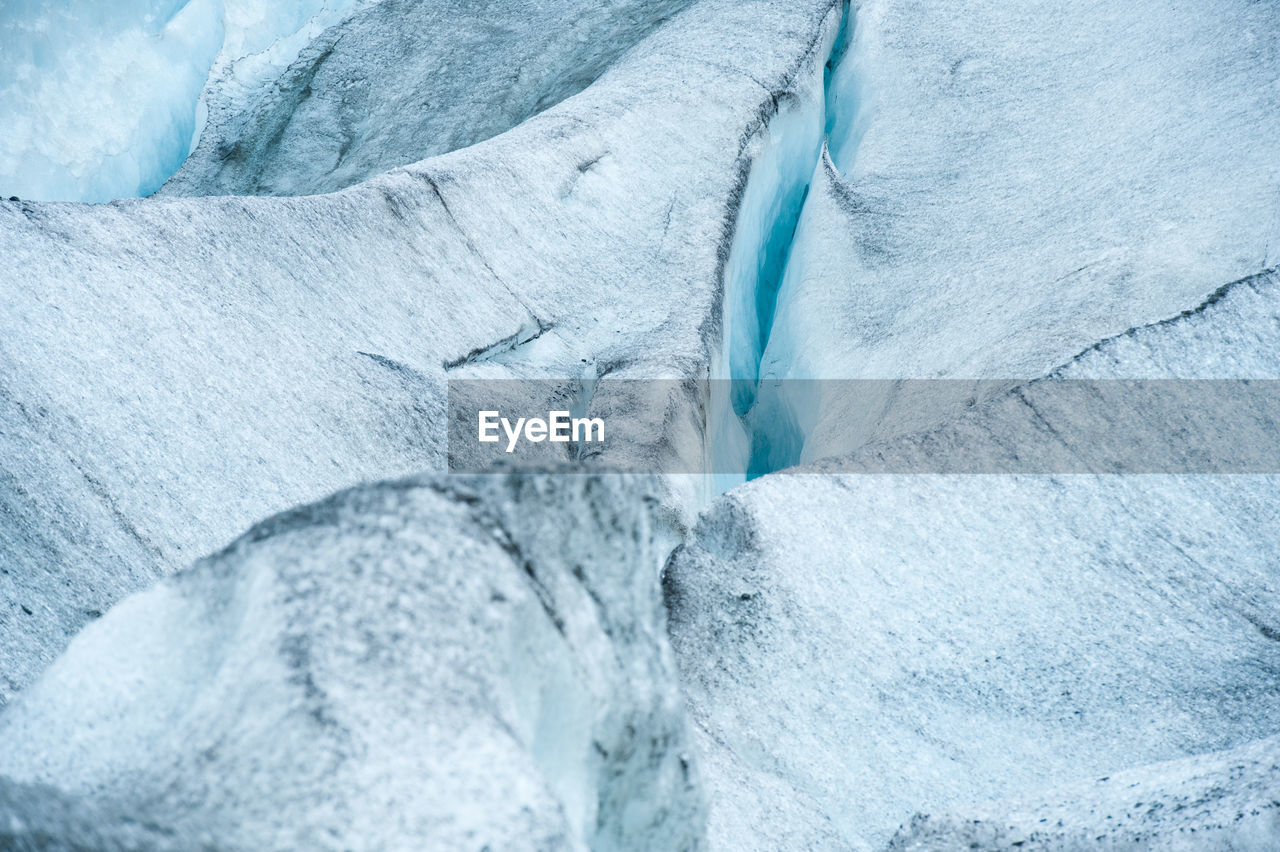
x=815, y=106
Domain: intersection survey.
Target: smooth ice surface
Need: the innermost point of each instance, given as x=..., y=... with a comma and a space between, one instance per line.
x=399, y=81
x=172, y=370
x=1018, y=184
x=859, y=648
x=434, y=663
x=1223, y=800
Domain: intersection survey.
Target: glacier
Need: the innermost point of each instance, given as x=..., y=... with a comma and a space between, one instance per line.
x=264, y=98
x=859, y=647
x=1222, y=800
x=105, y=100
x=346, y=674
x=243, y=604
x=223, y=410
x=1013, y=188
x=395, y=82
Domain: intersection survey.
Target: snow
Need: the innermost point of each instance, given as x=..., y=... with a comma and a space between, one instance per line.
x=872, y=646
x=175, y=369
x=397, y=82
x=763, y=191
x=869, y=646
x=347, y=673
x=1222, y=800
x=1016, y=186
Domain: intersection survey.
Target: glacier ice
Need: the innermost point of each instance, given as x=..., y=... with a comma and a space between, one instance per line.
x=856, y=649
x=863, y=647
x=1020, y=186
x=173, y=369
x=772, y=195
x=396, y=82
x=754, y=190
x=104, y=100
x=1222, y=800
x=419, y=664
x=99, y=99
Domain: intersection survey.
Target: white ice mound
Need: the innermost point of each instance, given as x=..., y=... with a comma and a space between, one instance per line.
x=422, y=664
x=399, y=81
x=107, y=100
x=1222, y=800
x=858, y=648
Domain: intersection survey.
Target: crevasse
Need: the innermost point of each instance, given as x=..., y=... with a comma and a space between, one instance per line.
x=817, y=116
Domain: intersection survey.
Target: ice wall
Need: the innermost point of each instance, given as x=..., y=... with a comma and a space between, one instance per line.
x=399, y=81
x=820, y=98
x=103, y=100
x=98, y=100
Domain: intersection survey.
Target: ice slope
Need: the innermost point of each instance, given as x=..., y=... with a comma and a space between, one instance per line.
x=1068, y=423
x=1010, y=185
x=172, y=370
x=106, y=101
x=1223, y=800
x=103, y=100
x=39, y=818
x=859, y=648
x=431, y=663
x=399, y=81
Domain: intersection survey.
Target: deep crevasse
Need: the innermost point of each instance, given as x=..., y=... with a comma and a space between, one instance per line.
x=758, y=426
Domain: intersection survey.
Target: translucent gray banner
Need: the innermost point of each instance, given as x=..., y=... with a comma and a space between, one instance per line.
x=739, y=428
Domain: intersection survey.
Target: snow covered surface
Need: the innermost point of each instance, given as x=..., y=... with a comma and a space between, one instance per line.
x=859, y=648
x=175, y=369
x=1223, y=800
x=1022, y=183
x=421, y=664
x=106, y=100
x=747, y=190
x=399, y=81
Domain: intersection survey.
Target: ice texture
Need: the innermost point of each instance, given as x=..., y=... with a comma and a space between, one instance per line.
x=398, y=81
x=857, y=648
x=1017, y=185
x=172, y=370
x=749, y=190
x=1223, y=800
x=104, y=100
x=108, y=100
x=98, y=100
x=420, y=664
